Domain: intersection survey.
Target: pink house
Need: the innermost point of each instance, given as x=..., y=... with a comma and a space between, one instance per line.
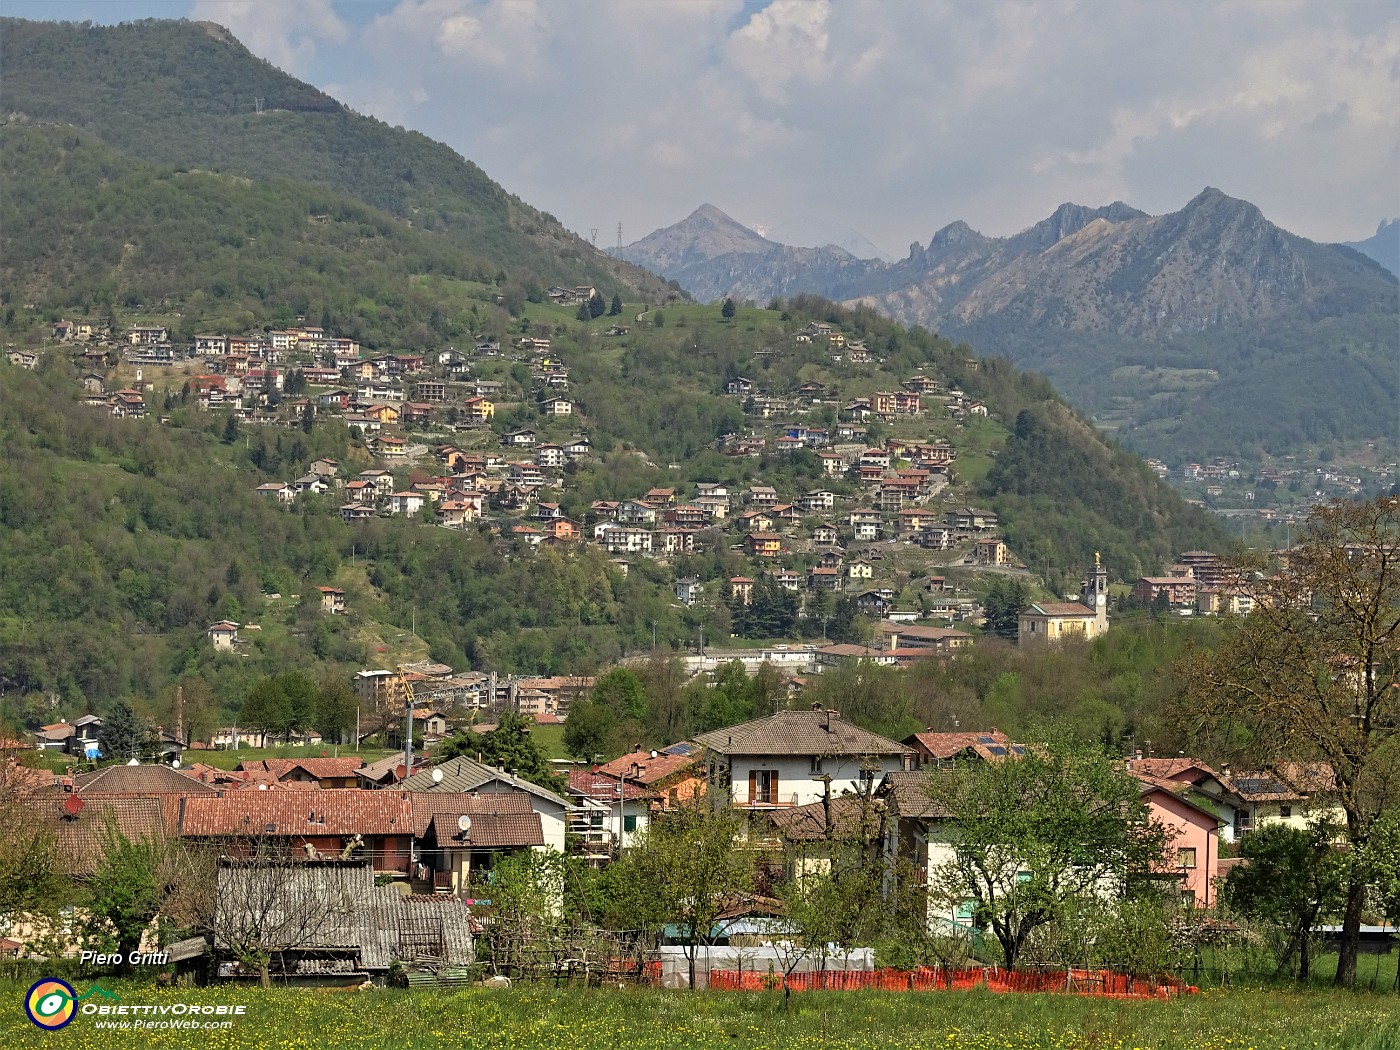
x=1193, y=848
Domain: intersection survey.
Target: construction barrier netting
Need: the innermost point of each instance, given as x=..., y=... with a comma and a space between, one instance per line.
x=1103, y=983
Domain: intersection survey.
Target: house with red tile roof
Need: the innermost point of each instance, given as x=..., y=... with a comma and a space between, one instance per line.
x=324, y=772
x=376, y=824
x=789, y=758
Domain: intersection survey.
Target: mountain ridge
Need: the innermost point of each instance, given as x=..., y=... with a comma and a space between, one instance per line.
x=1092, y=297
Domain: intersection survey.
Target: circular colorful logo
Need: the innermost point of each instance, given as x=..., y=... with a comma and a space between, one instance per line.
x=50, y=1003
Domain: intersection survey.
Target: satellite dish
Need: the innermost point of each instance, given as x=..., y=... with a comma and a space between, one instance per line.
x=437, y=776
x=653, y=754
x=464, y=824
x=134, y=762
x=73, y=805
x=174, y=763
x=262, y=787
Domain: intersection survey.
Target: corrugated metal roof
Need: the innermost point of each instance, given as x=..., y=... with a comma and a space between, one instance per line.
x=320, y=908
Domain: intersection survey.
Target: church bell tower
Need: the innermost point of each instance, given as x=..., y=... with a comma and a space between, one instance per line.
x=1095, y=594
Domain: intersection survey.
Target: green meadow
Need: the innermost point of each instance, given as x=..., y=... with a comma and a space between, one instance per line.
x=528, y=1018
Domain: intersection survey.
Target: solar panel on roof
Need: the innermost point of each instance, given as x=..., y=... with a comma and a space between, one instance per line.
x=996, y=750
x=986, y=740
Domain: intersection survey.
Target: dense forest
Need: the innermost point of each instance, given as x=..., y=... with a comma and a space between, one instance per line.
x=181, y=95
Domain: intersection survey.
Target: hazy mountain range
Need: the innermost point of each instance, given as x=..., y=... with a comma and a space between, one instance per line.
x=1383, y=245
x=1206, y=330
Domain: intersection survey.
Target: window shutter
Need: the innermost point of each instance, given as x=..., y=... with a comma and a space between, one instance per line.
x=774, y=786
x=753, y=784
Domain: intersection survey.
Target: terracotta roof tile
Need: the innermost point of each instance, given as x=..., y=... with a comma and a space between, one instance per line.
x=647, y=768
x=490, y=830
x=430, y=804
x=343, y=812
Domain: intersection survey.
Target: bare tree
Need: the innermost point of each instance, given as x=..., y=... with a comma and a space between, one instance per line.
x=268, y=904
x=1310, y=674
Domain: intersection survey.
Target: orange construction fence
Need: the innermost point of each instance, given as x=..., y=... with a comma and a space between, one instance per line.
x=1103, y=983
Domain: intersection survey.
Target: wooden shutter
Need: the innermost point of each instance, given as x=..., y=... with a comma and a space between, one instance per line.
x=753, y=785
x=773, y=786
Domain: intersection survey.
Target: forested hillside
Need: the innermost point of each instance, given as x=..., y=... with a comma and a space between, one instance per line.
x=183, y=95
x=122, y=539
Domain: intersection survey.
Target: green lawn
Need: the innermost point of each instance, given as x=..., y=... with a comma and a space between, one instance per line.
x=528, y=1018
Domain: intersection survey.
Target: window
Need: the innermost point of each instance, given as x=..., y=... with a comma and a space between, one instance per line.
x=1285, y=812
x=965, y=911
x=629, y=823
x=763, y=786
x=1186, y=858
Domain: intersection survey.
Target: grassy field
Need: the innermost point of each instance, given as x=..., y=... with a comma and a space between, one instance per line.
x=529, y=1018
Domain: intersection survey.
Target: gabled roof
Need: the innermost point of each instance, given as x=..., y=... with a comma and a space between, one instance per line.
x=809, y=823
x=912, y=799
x=380, y=770
x=138, y=780
x=1179, y=769
x=430, y=804
x=800, y=733
x=1262, y=786
x=320, y=768
x=647, y=767
x=1057, y=609
x=463, y=774
x=1157, y=786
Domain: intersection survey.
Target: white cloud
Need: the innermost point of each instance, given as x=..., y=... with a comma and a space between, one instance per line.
x=287, y=34
x=888, y=118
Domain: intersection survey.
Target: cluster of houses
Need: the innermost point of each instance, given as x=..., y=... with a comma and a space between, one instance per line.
x=437, y=831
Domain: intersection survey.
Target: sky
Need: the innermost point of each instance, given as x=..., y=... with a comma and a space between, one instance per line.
x=818, y=120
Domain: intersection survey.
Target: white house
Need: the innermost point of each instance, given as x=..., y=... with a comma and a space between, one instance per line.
x=406, y=503
x=786, y=759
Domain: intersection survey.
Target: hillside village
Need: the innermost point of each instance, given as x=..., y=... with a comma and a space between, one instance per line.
x=442, y=828
x=887, y=527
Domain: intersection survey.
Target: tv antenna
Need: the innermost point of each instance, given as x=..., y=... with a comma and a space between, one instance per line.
x=258, y=101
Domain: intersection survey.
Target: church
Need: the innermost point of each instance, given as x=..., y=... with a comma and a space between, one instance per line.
x=1086, y=618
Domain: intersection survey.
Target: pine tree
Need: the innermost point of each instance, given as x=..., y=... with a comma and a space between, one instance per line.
x=122, y=735
x=728, y=310
x=616, y=307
